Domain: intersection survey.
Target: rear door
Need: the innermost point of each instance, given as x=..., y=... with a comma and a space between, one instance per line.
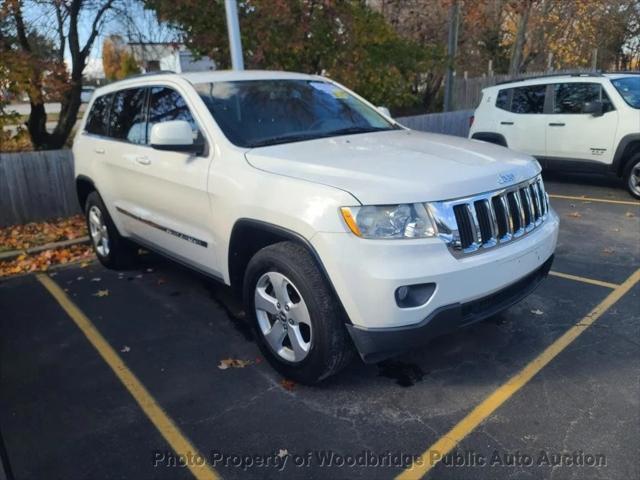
x=521, y=118
x=574, y=135
x=123, y=148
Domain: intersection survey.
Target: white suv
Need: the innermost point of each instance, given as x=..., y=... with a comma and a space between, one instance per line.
x=580, y=122
x=338, y=226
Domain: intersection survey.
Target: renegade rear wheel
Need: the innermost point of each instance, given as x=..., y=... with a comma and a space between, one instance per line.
x=110, y=247
x=299, y=326
x=632, y=176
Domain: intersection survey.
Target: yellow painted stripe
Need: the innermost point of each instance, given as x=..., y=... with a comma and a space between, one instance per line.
x=172, y=434
x=577, y=278
x=448, y=442
x=601, y=200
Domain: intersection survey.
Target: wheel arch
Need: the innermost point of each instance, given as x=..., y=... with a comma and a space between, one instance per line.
x=84, y=186
x=248, y=236
x=628, y=146
x=490, y=137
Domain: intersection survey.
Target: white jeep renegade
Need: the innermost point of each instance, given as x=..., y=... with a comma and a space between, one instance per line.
x=339, y=227
x=580, y=122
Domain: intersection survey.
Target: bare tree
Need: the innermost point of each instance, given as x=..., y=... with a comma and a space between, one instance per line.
x=68, y=15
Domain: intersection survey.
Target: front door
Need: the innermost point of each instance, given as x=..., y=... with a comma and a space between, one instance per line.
x=171, y=210
x=573, y=135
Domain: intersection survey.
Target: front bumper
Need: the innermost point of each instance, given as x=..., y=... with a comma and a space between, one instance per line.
x=366, y=273
x=377, y=344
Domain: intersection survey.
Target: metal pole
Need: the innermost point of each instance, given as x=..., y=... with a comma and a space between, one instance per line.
x=451, y=54
x=233, y=27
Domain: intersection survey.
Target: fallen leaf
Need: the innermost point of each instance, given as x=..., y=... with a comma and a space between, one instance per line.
x=125, y=349
x=608, y=251
x=629, y=214
x=287, y=384
x=537, y=312
x=574, y=215
x=101, y=293
x=233, y=363
x=283, y=452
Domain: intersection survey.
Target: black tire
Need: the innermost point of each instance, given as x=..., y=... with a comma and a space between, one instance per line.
x=633, y=166
x=331, y=348
x=122, y=253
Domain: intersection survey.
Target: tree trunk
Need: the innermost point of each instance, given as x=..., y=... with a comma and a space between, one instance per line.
x=518, y=46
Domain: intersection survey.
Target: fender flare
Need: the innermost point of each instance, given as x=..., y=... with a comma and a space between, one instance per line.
x=490, y=137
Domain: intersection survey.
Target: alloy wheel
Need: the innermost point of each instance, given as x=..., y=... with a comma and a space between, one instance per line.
x=98, y=231
x=283, y=317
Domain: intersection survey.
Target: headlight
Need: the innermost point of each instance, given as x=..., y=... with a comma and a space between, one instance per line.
x=389, y=221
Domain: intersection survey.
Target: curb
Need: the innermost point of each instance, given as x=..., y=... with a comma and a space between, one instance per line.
x=40, y=248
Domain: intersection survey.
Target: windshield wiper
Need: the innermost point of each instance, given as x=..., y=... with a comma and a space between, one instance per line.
x=349, y=130
x=283, y=139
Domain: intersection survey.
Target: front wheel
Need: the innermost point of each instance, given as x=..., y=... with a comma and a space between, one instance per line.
x=632, y=176
x=299, y=326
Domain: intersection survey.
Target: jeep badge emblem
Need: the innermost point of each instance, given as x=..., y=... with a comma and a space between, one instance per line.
x=506, y=178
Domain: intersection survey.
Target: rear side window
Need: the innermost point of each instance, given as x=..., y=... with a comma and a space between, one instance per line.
x=97, y=122
x=528, y=99
x=165, y=104
x=503, y=99
x=127, y=120
x=571, y=97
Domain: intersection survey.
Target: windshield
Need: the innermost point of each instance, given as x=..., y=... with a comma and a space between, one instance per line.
x=257, y=113
x=629, y=88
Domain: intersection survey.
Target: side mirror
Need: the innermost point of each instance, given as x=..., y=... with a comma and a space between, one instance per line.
x=174, y=136
x=385, y=111
x=594, y=108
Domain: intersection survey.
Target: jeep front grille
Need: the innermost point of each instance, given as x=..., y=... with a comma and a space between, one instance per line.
x=491, y=219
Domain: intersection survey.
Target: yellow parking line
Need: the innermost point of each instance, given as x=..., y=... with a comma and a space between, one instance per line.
x=448, y=442
x=577, y=278
x=601, y=200
x=172, y=434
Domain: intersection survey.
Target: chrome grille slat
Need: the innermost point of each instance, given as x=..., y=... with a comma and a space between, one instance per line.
x=529, y=201
x=488, y=220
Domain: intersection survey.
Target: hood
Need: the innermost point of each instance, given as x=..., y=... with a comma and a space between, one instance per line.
x=398, y=166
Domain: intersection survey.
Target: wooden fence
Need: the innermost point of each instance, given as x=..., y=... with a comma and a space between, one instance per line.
x=450, y=123
x=38, y=186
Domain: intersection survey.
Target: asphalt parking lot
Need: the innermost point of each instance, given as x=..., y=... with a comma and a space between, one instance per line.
x=112, y=375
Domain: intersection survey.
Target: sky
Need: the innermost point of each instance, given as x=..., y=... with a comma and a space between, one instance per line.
x=144, y=27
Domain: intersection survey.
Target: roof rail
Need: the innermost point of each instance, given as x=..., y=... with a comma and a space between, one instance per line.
x=551, y=75
x=624, y=72
x=150, y=74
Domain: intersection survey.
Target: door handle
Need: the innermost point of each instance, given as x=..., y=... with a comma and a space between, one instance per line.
x=143, y=160
x=99, y=151
x=556, y=124
x=506, y=123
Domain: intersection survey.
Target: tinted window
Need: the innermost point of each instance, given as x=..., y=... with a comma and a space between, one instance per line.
x=571, y=97
x=267, y=112
x=528, y=99
x=503, y=99
x=165, y=104
x=98, y=116
x=127, y=119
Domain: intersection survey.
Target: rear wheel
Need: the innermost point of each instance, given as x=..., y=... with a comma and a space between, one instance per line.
x=299, y=326
x=113, y=250
x=632, y=176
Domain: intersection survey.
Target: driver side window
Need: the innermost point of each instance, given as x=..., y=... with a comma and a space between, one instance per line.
x=166, y=104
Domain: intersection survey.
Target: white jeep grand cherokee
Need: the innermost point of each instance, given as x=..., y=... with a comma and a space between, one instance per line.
x=339, y=227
